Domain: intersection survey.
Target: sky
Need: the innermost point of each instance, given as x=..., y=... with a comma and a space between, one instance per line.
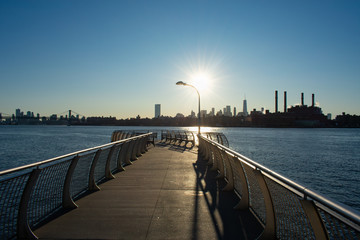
x=120, y=58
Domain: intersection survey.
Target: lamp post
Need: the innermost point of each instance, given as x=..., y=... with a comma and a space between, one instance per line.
x=186, y=84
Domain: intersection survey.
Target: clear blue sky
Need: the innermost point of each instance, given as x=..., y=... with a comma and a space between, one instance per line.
x=119, y=58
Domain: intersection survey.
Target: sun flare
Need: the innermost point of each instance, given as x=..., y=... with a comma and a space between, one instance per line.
x=201, y=80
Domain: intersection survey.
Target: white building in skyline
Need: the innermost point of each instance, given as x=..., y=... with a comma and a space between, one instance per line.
x=157, y=110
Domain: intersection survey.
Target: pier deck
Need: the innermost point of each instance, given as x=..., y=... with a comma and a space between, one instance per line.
x=168, y=193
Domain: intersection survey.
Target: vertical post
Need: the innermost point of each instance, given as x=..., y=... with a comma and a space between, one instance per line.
x=108, y=174
x=244, y=201
x=92, y=184
x=68, y=202
x=270, y=225
x=23, y=228
x=134, y=143
x=315, y=220
x=122, y=156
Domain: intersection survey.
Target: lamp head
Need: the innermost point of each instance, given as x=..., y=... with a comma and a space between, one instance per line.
x=180, y=83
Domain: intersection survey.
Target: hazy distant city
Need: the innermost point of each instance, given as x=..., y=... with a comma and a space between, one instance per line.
x=294, y=116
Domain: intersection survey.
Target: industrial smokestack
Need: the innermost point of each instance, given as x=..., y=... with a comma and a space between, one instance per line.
x=285, y=104
x=302, y=99
x=313, y=100
x=276, y=101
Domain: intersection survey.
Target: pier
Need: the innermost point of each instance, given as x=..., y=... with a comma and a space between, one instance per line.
x=175, y=187
x=167, y=193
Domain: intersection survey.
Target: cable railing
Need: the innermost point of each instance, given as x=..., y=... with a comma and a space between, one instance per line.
x=285, y=209
x=31, y=194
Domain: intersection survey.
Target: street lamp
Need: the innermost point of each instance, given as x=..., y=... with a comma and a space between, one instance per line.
x=186, y=84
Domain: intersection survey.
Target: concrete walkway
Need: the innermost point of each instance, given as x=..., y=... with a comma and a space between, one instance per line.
x=167, y=194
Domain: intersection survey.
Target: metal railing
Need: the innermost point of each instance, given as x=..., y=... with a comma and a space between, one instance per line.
x=122, y=134
x=178, y=137
x=31, y=194
x=285, y=209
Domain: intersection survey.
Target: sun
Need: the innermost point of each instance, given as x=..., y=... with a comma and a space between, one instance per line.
x=201, y=80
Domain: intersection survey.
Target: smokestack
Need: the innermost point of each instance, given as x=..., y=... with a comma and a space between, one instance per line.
x=285, y=104
x=276, y=101
x=302, y=99
x=313, y=100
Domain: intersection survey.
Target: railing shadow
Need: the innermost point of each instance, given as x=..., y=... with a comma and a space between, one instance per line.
x=228, y=223
x=178, y=148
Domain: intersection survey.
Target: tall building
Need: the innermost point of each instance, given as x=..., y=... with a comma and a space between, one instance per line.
x=228, y=111
x=17, y=112
x=245, y=112
x=234, y=111
x=157, y=110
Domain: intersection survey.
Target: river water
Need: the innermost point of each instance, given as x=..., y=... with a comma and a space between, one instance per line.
x=325, y=160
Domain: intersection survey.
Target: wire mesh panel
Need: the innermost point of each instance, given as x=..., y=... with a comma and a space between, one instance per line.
x=47, y=195
x=338, y=229
x=101, y=163
x=80, y=178
x=291, y=220
x=10, y=196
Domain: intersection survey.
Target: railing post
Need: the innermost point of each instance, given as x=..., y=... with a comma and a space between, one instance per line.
x=23, y=228
x=207, y=151
x=143, y=144
x=125, y=154
x=315, y=220
x=137, y=147
x=128, y=152
x=218, y=162
x=228, y=173
x=92, y=184
x=68, y=202
x=133, y=150
x=244, y=201
x=108, y=174
x=213, y=156
x=270, y=225
x=121, y=157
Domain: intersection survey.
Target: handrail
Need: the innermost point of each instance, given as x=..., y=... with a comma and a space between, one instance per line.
x=338, y=207
x=29, y=197
x=16, y=169
x=274, y=197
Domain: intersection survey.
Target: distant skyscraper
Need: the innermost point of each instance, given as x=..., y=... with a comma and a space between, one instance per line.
x=234, y=111
x=245, y=112
x=228, y=111
x=157, y=110
x=17, y=112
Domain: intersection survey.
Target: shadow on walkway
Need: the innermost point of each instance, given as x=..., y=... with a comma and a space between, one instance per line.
x=228, y=223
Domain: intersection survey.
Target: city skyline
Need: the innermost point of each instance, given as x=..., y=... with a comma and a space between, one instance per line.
x=120, y=58
x=226, y=110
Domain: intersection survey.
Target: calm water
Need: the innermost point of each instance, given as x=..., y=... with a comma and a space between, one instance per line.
x=326, y=160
